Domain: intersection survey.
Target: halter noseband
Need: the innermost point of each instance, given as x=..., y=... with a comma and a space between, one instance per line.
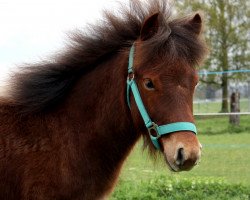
x=151, y=126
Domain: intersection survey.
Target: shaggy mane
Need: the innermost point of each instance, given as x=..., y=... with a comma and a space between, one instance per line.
x=40, y=87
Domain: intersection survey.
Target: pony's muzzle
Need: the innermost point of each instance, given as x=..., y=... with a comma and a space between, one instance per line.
x=186, y=160
x=182, y=151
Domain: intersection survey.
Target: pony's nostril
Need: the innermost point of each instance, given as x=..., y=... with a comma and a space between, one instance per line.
x=180, y=158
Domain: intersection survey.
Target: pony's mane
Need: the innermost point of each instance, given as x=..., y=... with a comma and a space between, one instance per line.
x=40, y=87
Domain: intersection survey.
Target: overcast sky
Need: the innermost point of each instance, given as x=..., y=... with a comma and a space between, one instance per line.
x=33, y=29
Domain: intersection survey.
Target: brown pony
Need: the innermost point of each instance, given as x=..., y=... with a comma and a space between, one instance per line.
x=66, y=128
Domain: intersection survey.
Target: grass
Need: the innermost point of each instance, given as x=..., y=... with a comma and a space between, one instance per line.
x=225, y=157
x=160, y=188
x=220, y=125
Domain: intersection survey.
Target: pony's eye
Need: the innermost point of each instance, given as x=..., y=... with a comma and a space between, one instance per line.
x=149, y=84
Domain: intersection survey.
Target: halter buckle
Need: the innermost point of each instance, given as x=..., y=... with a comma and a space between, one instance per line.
x=154, y=128
x=131, y=76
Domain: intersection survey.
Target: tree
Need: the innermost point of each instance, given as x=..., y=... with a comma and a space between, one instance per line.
x=227, y=32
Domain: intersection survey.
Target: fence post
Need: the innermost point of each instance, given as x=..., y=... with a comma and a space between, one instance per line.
x=235, y=107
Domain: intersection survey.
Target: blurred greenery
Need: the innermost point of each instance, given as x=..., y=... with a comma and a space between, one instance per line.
x=161, y=188
x=227, y=24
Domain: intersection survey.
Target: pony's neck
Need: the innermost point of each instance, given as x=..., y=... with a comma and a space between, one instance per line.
x=97, y=116
x=99, y=98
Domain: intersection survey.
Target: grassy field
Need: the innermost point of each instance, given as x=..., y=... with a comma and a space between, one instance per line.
x=220, y=125
x=225, y=156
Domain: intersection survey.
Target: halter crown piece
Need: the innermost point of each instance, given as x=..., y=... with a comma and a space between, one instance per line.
x=155, y=131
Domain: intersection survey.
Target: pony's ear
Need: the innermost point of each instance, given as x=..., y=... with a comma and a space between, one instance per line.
x=150, y=27
x=195, y=24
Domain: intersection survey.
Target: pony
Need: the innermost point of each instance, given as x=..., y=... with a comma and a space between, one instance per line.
x=68, y=124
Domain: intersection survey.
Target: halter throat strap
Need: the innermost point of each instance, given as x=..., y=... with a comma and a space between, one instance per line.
x=155, y=131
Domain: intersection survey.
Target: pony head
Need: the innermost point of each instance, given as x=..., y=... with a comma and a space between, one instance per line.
x=165, y=57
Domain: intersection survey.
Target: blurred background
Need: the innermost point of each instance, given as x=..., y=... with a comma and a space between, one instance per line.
x=31, y=30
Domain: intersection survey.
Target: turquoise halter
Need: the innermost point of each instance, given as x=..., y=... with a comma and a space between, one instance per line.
x=151, y=126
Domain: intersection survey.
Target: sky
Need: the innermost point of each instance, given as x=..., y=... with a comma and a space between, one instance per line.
x=30, y=30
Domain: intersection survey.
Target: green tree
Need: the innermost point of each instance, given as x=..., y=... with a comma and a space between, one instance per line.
x=227, y=32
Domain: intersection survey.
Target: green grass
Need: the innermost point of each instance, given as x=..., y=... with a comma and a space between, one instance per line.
x=225, y=157
x=160, y=188
x=220, y=125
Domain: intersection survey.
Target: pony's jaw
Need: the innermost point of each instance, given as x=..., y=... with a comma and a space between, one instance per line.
x=182, y=151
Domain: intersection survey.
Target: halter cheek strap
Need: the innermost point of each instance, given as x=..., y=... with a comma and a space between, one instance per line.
x=154, y=130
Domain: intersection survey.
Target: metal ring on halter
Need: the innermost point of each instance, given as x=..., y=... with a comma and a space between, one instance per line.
x=131, y=76
x=154, y=127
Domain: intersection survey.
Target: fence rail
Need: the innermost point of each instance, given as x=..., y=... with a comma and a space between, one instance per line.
x=224, y=72
x=215, y=114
